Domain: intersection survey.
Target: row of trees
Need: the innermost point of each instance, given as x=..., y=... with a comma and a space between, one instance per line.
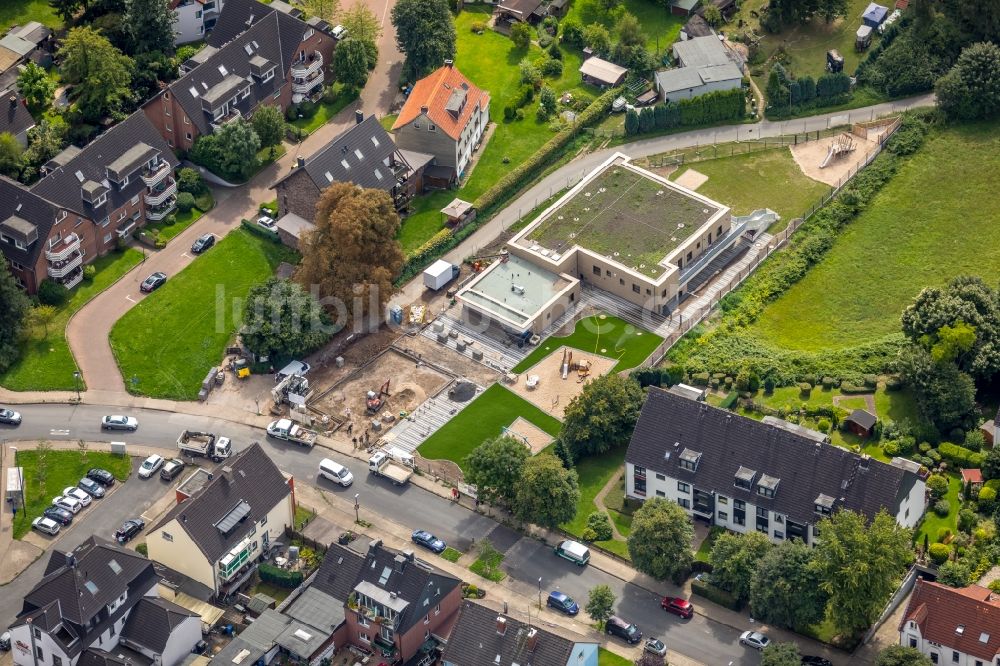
x=709, y=108
x=785, y=92
x=783, y=13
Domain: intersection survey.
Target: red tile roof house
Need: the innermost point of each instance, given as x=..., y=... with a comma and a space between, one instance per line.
x=444, y=116
x=953, y=626
x=973, y=476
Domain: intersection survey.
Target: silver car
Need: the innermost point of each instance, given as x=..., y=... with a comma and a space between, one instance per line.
x=119, y=422
x=68, y=503
x=9, y=416
x=80, y=495
x=45, y=526
x=150, y=465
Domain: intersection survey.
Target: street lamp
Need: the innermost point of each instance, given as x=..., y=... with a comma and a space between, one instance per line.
x=76, y=381
x=539, y=593
x=357, y=506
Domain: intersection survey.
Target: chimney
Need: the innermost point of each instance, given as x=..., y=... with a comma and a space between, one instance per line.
x=70, y=560
x=501, y=625
x=399, y=563
x=227, y=474
x=300, y=161
x=863, y=464
x=359, y=116
x=408, y=554
x=532, y=642
x=13, y=101
x=449, y=63
x=373, y=547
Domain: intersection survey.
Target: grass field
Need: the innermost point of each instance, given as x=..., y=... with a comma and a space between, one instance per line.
x=485, y=418
x=21, y=11
x=608, y=658
x=659, y=26
x=61, y=468
x=594, y=473
x=934, y=523
x=927, y=225
x=491, y=60
x=166, y=344
x=600, y=334
x=46, y=363
x=766, y=179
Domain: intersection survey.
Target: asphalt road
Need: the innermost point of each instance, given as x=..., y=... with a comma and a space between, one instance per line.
x=526, y=559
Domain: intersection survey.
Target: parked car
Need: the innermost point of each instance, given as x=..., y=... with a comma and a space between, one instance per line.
x=334, y=471
x=677, y=606
x=91, y=487
x=808, y=660
x=655, y=646
x=627, y=631
x=5, y=641
x=79, y=495
x=428, y=540
x=338, y=32
x=574, y=551
x=562, y=602
x=129, y=529
x=58, y=514
x=153, y=282
x=203, y=243
x=67, y=503
x=101, y=476
x=150, y=465
x=754, y=639
x=119, y=422
x=45, y=525
x=267, y=222
x=10, y=417
x=171, y=469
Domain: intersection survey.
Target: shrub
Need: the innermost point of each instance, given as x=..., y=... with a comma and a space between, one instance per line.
x=52, y=293
x=189, y=180
x=966, y=520
x=942, y=508
x=142, y=549
x=519, y=114
x=934, y=455
x=893, y=383
x=891, y=449
x=478, y=27
x=715, y=594
x=805, y=388
x=552, y=68
x=170, y=220
x=259, y=230
x=871, y=381
x=938, y=553
x=89, y=271
x=588, y=534
x=509, y=113
x=572, y=32
x=280, y=577
x=829, y=383
x=987, y=494
x=943, y=535
x=823, y=425
x=924, y=447
x=185, y=202
x=959, y=456
x=937, y=485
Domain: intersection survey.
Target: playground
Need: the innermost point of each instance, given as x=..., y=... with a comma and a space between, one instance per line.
x=553, y=382
x=833, y=159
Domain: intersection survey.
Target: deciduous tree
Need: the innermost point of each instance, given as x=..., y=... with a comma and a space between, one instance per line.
x=829, y=10
x=602, y=416
x=785, y=589
x=971, y=89
x=899, y=655
x=66, y=9
x=781, y=654
x=859, y=566
x=42, y=315
x=713, y=16
x=238, y=145
x=10, y=155
x=735, y=558
x=548, y=492
x=269, y=124
x=328, y=10
x=660, y=541
x=14, y=306
x=521, y=34
x=597, y=37
x=350, y=62
x=101, y=73
x=149, y=25
x=495, y=468
x=600, y=603
x=282, y=321
x=36, y=87
x=425, y=32
x=45, y=140
x=364, y=26
x=352, y=255
x=945, y=394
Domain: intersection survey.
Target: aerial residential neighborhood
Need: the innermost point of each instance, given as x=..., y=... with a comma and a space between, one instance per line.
x=520, y=333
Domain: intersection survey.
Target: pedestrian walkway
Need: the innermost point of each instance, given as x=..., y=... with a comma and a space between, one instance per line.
x=425, y=420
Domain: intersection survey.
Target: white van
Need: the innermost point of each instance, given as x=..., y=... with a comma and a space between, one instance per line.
x=574, y=551
x=335, y=472
x=299, y=368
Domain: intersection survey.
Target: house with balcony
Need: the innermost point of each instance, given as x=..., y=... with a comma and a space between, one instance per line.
x=364, y=155
x=224, y=521
x=98, y=600
x=445, y=116
x=193, y=19
x=741, y=474
x=484, y=635
x=953, y=625
x=256, y=54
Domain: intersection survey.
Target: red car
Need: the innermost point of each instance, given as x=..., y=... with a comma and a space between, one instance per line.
x=677, y=606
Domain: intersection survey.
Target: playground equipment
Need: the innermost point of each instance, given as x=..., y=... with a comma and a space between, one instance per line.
x=531, y=382
x=567, y=361
x=842, y=144
x=582, y=370
x=374, y=400
x=479, y=263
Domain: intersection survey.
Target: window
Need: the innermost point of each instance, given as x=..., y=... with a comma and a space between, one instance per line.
x=719, y=232
x=167, y=536
x=761, y=512
x=437, y=609
x=954, y=656
x=779, y=535
x=263, y=521
x=635, y=288
x=766, y=492
x=723, y=515
x=38, y=634
x=432, y=128
x=170, y=142
x=121, y=215
x=171, y=129
x=112, y=633
x=722, y=499
x=107, y=238
x=934, y=657
x=134, y=200
x=744, y=478
x=416, y=125
x=649, y=292
x=427, y=634
x=277, y=93
x=660, y=477
x=187, y=135
x=39, y=654
x=685, y=504
x=187, y=121
x=660, y=493
x=621, y=281
x=268, y=75
x=362, y=620
x=427, y=619
x=56, y=660
x=166, y=94
x=597, y=271
x=778, y=518
x=365, y=637
x=913, y=643
x=79, y=220
x=683, y=487
x=639, y=480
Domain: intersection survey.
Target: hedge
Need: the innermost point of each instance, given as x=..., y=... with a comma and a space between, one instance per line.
x=710, y=108
x=715, y=595
x=280, y=577
x=959, y=456
x=729, y=400
x=259, y=230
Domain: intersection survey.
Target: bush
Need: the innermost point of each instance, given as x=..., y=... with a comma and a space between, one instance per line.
x=959, y=456
x=823, y=425
x=572, y=32
x=937, y=485
x=938, y=553
x=280, y=577
x=893, y=383
x=89, y=272
x=189, y=180
x=934, y=456
x=829, y=383
x=942, y=508
x=552, y=68
x=891, y=449
x=967, y=520
x=805, y=388
x=259, y=230
x=52, y=293
x=715, y=594
x=185, y=202
x=478, y=27
x=142, y=549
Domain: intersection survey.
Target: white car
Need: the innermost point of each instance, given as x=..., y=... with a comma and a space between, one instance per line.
x=80, y=495
x=118, y=422
x=339, y=32
x=754, y=639
x=68, y=503
x=150, y=465
x=46, y=526
x=267, y=222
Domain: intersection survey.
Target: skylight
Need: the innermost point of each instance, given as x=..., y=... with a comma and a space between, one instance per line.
x=386, y=572
x=303, y=635
x=117, y=568
x=378, y=174
x=359, y=154
x=329, y=177
x=193, y=91
x=375, y=141
x=344, y=164
x=960, y=629
x=91, y=587
x=248, y=49
x=223, y=70
x=984, y=637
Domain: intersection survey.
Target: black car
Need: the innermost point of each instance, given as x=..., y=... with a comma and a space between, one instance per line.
x=91, y=487
x=129, y=529
x=102, y=476
x=616, y=626
x=153, y=282
x=203, y=243
x=808, y=660
x=59, y=514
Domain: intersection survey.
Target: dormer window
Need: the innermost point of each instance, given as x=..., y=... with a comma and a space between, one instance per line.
x=767, y=485
x=245, y=93
x=744, y=478
x=101, y=200
x=268, y=75
x=689, y=460
x=824, y=505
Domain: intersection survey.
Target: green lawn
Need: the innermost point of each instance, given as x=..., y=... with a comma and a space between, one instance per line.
x=490, y=60
x=850, y=404
x=705, y=548
x=166, y=344
x=934, y=523
x=276, y=592
x=451, y=554
x=594, y=473
x=167, y=232
x=489, y=567
x=608, y=658
x=21, y=11
x=600, y=334
x=906, y=239
x=324, y=113
x=61, y=468
x=46, y=363
x=660, y=27
x=485, y=418
x=765, y=179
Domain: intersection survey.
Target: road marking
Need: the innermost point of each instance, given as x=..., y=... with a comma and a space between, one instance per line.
x=186, y=255
x=129, y=298
x=58, y=432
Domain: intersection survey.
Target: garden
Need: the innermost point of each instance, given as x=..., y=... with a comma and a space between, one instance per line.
x=48, y=471
x=45, y=362
x=308, y=117
x=19, y=12
x=166, y=344
x=194, y=199
x=600, y=334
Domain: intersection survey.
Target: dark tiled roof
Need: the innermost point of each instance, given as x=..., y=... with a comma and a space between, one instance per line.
x=254, y=479
x=18, y=201
x=368, y=138
x=475, y=641
x=940, y=610
x=522, y=8
x=863, y=418
x=14, y=118
x=63, y=186
x=419, y=584
x=95, y=657
x=669, y=424
x=151, y=622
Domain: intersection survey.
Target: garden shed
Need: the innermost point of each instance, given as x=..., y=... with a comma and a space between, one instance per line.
x=512, y=11
x=861, y=422
x=874, y=15
x=973, y=476
x=602, y=73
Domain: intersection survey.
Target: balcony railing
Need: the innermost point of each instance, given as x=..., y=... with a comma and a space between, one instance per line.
x=157, y=213
x=62, y=250
x=73, y=280
x=312, y=63
x=63, y=268
x=125, y=229
x=231, y=116
x=302, y=85
x=158, y=196
x=153, y=176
